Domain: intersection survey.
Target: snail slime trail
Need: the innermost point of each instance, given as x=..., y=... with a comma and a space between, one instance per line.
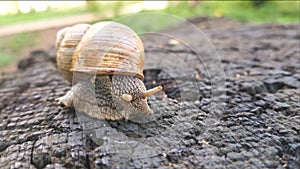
x=106, y=70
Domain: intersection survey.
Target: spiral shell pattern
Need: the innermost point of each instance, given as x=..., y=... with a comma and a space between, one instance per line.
x=104, y=48
x=67, y=40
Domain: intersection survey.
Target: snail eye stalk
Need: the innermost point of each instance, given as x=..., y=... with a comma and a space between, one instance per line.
x=151, y=91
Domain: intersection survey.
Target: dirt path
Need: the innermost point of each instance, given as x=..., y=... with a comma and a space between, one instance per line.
x=46, y=24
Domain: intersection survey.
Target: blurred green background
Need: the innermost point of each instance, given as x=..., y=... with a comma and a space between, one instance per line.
x=14, y=46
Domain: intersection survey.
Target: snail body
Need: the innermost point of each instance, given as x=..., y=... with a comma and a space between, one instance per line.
x=107, y=61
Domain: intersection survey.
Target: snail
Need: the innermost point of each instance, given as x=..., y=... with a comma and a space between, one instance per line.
x=105, y=62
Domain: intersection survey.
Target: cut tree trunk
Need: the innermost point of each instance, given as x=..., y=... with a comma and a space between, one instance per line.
x=246, y=117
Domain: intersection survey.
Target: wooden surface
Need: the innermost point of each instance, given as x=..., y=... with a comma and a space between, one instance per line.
x=259, y=126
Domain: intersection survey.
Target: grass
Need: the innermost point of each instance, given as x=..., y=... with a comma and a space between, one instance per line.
x=16, y=42
x=5, y=59
x=145, y=23
x=11, y=46
x=269, y=12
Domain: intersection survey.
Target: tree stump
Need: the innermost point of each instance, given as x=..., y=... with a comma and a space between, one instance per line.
x=259, y=126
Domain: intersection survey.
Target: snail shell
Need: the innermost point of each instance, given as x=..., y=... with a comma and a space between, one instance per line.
x=104, y=48
x=67, y=40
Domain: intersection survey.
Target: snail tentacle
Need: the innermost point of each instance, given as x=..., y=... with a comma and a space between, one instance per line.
x=152, y=91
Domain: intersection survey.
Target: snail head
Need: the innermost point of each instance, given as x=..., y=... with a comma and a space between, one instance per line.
x=130, y=96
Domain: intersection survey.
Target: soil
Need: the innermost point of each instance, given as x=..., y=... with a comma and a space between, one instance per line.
x=238, y=110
